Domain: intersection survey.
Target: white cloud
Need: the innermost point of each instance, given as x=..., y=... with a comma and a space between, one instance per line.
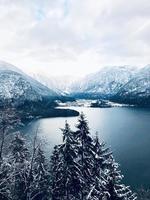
x=74, y=36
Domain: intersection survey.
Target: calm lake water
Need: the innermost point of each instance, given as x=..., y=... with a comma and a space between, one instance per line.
x=125, y=130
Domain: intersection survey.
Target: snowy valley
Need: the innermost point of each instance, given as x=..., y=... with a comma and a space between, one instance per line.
x=121, y=84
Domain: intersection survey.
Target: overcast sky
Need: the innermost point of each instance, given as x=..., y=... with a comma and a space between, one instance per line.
x=74, y=37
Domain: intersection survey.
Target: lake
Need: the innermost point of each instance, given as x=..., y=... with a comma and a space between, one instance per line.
x=125, y=130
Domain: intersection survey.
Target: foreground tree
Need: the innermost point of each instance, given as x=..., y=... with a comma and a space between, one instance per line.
x=19, y=161
x=117, y=190
x=67, y=177
x=85, y=154
x=55, y=160
x=83, y=168
x=99, y=174
x=41, y=181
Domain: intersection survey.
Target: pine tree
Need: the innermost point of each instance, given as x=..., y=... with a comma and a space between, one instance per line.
x=54, y=172
x=117, y=190
x=101, y=160
x=57, y=174
x=19, y=167
x=67, y=176
x=41, y=181
x=85, y=154
x=84, y=169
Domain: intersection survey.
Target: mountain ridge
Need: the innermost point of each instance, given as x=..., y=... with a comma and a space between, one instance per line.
x=125, y=84
x=18, y=87
x=112, y=83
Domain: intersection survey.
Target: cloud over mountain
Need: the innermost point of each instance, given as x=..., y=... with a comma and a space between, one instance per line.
x=74, y=37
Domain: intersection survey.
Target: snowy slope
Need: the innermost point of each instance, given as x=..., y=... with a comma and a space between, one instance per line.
x=107, y=82
x=124, y=84
x=137, y=90
x=19, y=87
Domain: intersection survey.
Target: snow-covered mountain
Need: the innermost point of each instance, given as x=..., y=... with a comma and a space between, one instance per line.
x=107, y=82
x=125, y=84
x=137, y=90
x=19, y=87
x=9, y=67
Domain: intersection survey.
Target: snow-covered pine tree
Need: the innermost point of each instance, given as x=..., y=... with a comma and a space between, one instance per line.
x=101, y=161
x=41, y=181
x=18, y=159
x=53, y=171
x=86, y=154
x=102, y=179
x=117, y=190
x=84, y=169
x=67, y=177
x=73, y=173
x=56, y=167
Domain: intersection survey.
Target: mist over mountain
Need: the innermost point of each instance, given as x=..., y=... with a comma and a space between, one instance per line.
x=60, y=84
x=125, y=84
